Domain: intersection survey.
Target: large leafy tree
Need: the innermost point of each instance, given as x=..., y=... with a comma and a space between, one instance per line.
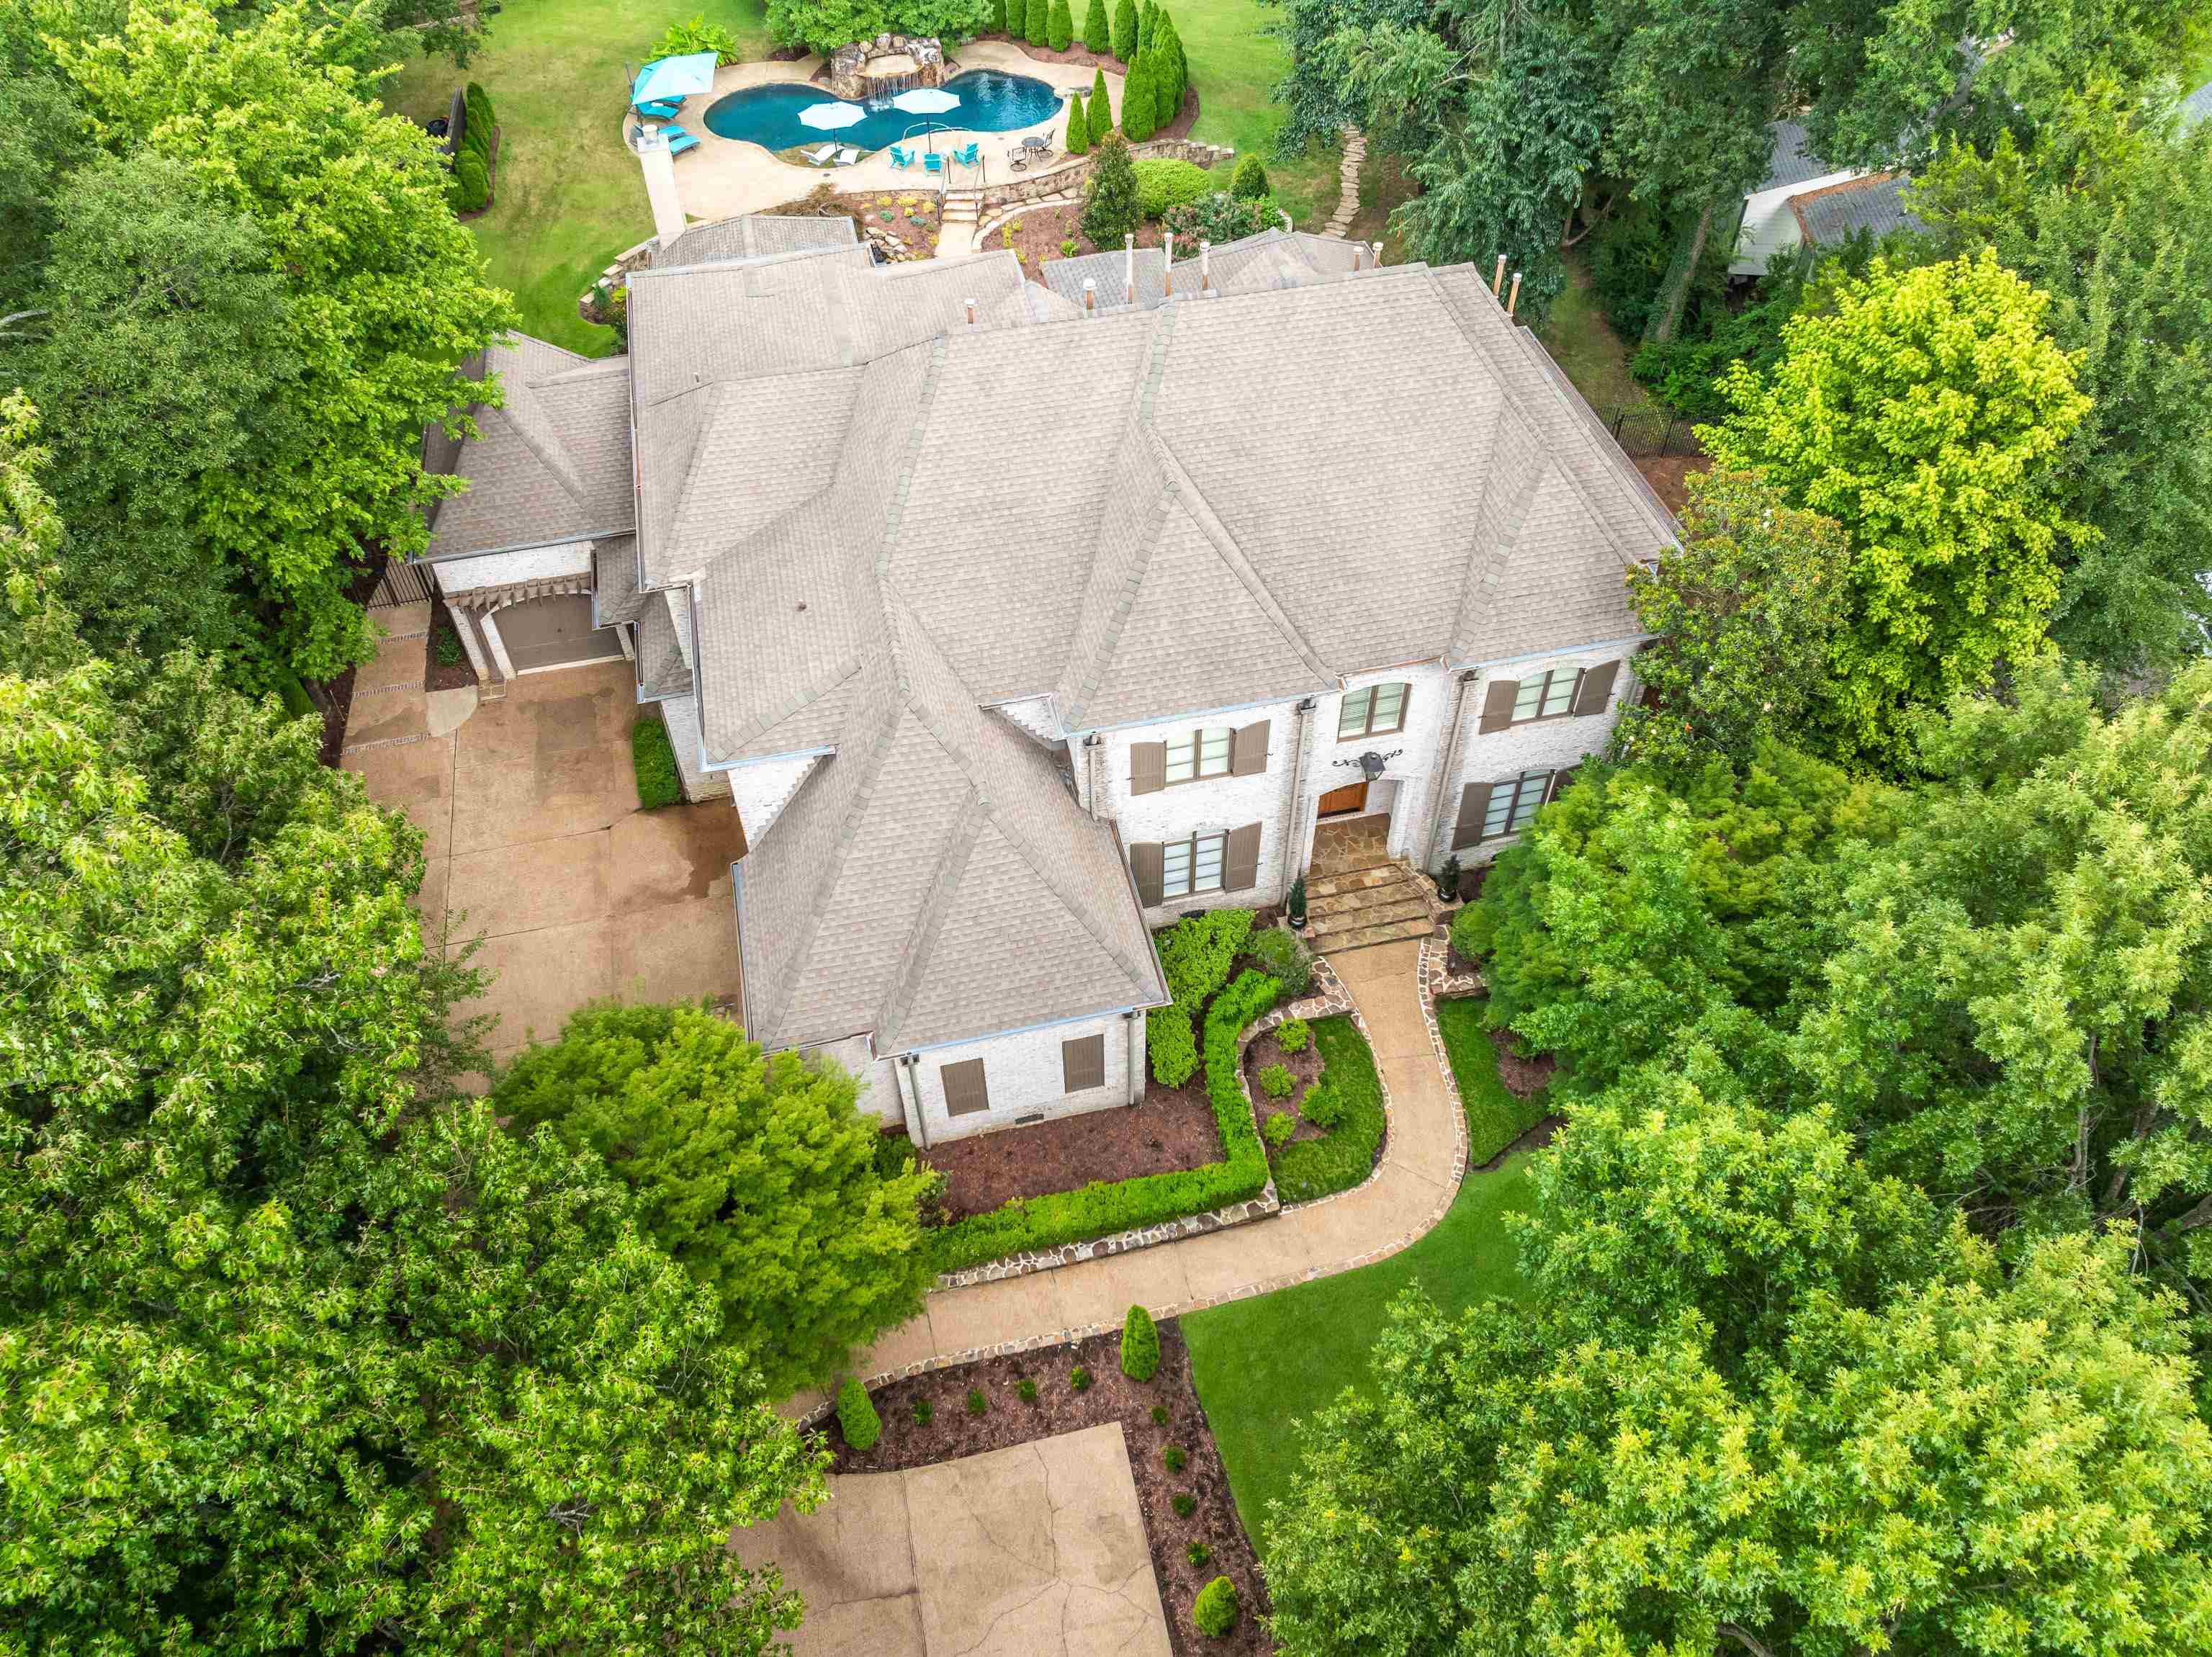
x=1743, y=611
x=2112, y=217
x=758, y=1172
x=1926, y=412
x=383, y=291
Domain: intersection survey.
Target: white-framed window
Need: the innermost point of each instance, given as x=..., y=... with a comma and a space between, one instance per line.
x=1192, y=865
x=1200, y=753
x=1513, y=803
x=1547, y=697
x=1371, y=710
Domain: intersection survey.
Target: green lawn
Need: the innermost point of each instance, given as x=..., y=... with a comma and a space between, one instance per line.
x=1582, y=343
x=1495, y=1118
x=568, y=195
x=1260, y=1363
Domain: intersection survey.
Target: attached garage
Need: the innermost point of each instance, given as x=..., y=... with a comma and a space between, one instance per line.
x=555, y=631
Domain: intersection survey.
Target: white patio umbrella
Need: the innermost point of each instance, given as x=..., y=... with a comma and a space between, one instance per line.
x=829, y=117
x=925, y=101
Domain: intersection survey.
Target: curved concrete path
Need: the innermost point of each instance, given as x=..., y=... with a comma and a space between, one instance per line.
x=1422, y=1159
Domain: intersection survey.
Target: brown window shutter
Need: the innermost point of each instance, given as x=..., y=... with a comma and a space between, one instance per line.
x=1148, y=868
x=1083, y=1063
x=1474, y=806
x=1247, y=755
x=1243, y=869
x=1498, y=698
x=964, y=1092
x=1561, y=781
x=1148, y=767
x=1596, y=690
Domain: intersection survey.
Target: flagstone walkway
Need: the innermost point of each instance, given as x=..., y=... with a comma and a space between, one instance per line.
x=1422, y=1159
x=1348, y=182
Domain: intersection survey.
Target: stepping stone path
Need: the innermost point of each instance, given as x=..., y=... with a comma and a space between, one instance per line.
x=1348, y=182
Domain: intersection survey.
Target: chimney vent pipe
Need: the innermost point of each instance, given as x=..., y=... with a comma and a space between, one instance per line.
x=1090, y=297
x=1497, y=279
x=971, y=313
x=1204, y=265
x=1514, y=298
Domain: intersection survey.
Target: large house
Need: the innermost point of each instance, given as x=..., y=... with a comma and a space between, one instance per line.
x=1017, y=619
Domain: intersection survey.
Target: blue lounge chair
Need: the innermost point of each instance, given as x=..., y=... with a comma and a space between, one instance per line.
x=900, y=159
x=679, y=140
x=969, y=155
x=660, y=109
x=932, y=162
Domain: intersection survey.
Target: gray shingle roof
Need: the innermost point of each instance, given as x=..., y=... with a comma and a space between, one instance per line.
x=661, y=673
x=552, y=464
x=755, y=236
x=1874, y=203
x=1790, y=158
x=614, y=596
x=2197, y=107
x=1272, y=259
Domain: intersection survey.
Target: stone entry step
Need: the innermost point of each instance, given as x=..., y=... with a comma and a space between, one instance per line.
x=1368, y=937
x=1325, y=887
x=1327, y=928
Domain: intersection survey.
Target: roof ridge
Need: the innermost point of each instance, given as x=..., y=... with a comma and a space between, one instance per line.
x=556, y=463
x=1125, y=600
x=1487, y=568
x=1225, y=547
x=708, y=413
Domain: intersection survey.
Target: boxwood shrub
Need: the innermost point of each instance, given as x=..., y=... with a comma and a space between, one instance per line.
x=1316, y=1168
x=1196, y=955
x=1140, y=1345
x=856, y=1414
x=1151, y=1199
x=1164, y=183
x=1215, y=1611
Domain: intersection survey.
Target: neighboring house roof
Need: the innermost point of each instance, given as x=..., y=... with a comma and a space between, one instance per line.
x=1874, y=203
x=551, y=464
x=1790, y=160
x=2197, y=107
x=754, y=235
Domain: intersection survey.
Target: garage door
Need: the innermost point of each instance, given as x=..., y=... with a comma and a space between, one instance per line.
x=554, y=632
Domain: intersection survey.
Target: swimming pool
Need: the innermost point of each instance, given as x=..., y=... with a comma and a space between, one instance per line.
x=991, y=101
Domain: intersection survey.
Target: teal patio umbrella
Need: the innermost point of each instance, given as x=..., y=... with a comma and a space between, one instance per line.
x=674, y=77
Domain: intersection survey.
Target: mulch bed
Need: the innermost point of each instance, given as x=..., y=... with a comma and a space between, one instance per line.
x=334, y=699
x=1172, y=1129
x=1112, y=1395
x=438, y=675
x=1039, y=232
x=865, y=209
x=1524, y=1077
x=1305, y=1066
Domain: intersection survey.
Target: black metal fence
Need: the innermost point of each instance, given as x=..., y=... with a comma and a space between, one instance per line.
x=1652, y=430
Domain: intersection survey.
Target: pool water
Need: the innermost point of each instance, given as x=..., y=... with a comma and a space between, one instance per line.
x=990, y=102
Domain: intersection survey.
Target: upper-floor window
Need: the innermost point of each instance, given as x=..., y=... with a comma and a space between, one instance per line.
x=1547, y=696
x=1492, y=811
x=1550, y=695
x=1200, y=753
x=1371, y=710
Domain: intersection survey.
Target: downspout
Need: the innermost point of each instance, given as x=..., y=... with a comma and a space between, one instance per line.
x=1134, y=1083
x=1090, y=746
x=1448, y=768
x=1293, y=863
x=909, y=1100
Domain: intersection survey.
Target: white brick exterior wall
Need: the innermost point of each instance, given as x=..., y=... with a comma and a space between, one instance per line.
x=1022, y=1075
x=498, y=569
x=761, y=789
x=1540, y=744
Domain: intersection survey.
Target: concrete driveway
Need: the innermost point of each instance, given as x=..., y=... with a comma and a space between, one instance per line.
x=1037, y=1550
x=535, y=844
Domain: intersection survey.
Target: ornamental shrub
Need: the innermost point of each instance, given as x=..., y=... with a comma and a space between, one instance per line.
x=1196, y=955
x=1276, y=1081
x=923, y=1410
x=1078, y=1378
x=1293, y=1035
x=1198, y=1553
x=654, y=760
x=1185, y=1504
x=1037, y=26
x=1060, y=27
x=1140, y=1345
x=1218, y=218
x=1162, y=183
x=1026, y=1390
x=1317, y=1168
x=1138, y=120
x=1321, y=1106
x=1174, y=1456
x=1215, y=1612
x=1470, y=931
x=1159, y=1414
x=1100, y=113
x=1078, y=128
x=1249, y=183
x=471, y=191
x=857, y=1417
x=1110, y=208
x=1295, y=906
x=1278, y=1128
x=477, y=122
x=977, y=1404
x=1098, y=33
x=1125, y=31
x=1284, y=957
x=681, y=39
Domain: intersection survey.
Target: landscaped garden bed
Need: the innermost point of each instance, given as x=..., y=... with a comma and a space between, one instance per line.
x=1336, y=1100
x=1502, y=1092
x=446, y=665
x=1171, y=1130
x=955, y=1429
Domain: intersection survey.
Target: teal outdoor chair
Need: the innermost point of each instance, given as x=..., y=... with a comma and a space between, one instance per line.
x=932, y=162
x=900, y=159
x=969, y=155
x=679, y=140
x=661, y=109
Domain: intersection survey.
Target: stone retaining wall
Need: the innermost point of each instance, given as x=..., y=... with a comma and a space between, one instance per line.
x=1071, y=174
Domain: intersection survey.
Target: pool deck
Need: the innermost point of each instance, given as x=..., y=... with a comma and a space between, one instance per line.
x=723, y=177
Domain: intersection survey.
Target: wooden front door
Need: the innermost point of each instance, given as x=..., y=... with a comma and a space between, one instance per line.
x=1349, y=798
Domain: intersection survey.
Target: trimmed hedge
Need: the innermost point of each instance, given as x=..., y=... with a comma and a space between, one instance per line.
x=1318, y=1168
x=1101, y=1207
x=471, y=187
x=1140, y=1345
x=1163, y=183
x=857, y=1417
x=1196, y=955
x=1280, y=952
x=655, y=763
